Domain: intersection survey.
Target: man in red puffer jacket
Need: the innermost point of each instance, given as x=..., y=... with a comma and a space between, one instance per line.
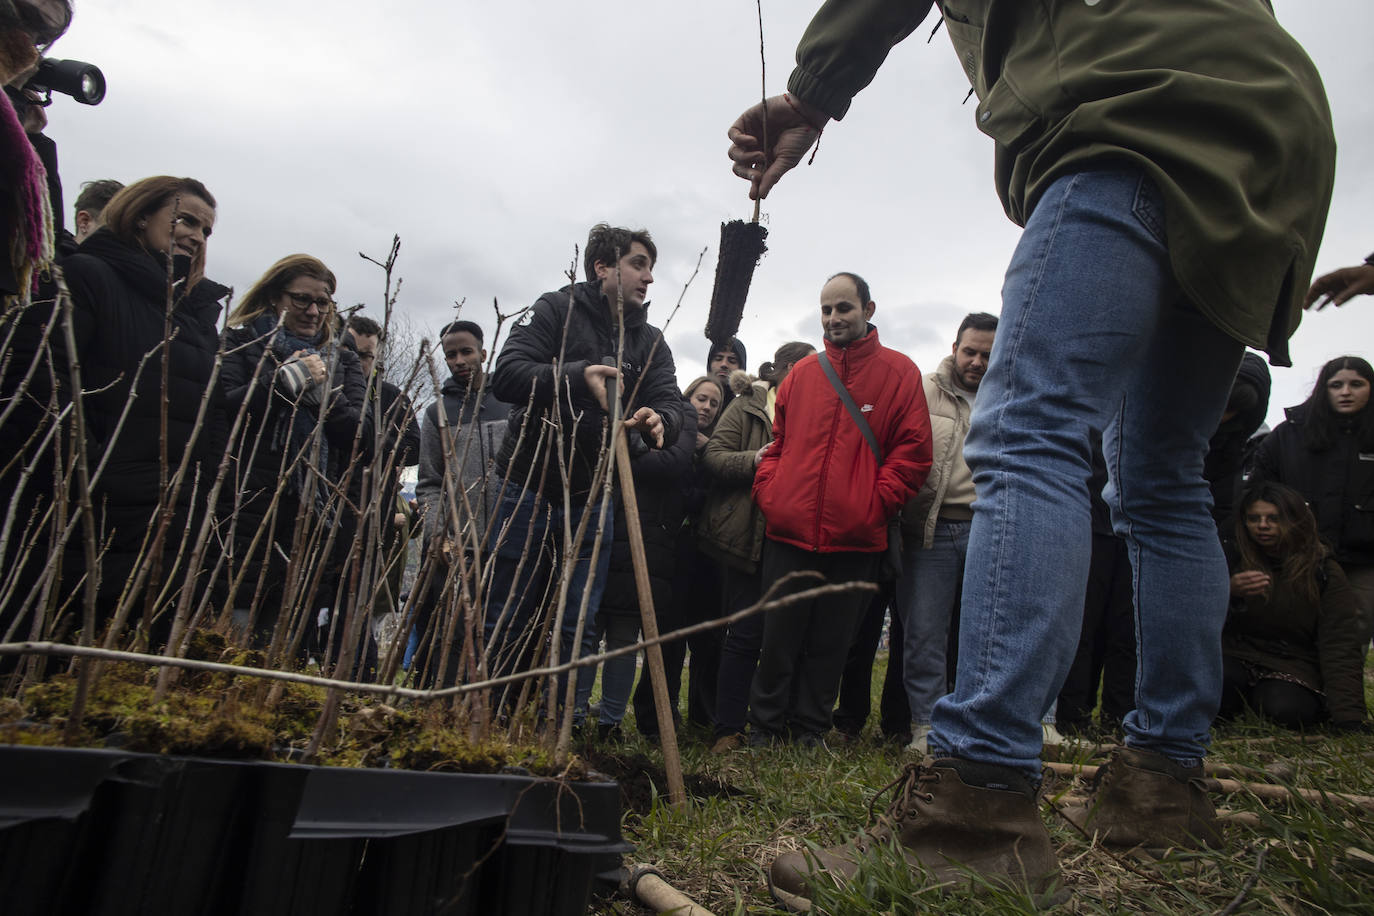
x=827, y=500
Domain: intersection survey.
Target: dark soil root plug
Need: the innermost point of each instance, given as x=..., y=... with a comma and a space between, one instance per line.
x=741, y=246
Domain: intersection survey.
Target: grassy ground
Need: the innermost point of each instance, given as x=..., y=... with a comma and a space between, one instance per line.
x=747, y=806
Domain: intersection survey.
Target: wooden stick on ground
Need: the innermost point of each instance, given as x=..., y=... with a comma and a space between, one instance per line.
x=646, y=885
x=1265, y=791
x=663, y=704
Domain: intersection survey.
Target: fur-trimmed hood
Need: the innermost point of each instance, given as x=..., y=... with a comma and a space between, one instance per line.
x=740, y=380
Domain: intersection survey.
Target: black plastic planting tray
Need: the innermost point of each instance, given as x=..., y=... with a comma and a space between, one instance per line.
x=107, y=832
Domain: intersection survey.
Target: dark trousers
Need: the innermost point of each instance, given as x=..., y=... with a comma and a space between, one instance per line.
x=856, y=685
x=1106, y=646
x=697, y=596
x=805, y=647
x=1289, y=704
x=739, y=655
x=441, y=607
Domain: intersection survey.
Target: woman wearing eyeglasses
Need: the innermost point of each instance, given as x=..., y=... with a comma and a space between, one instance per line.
x=144, y=332
x=293, y=399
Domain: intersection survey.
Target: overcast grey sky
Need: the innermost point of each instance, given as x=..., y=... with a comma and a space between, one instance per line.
x=491, y=136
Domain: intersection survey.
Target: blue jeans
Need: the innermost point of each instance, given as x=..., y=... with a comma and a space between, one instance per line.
x=1095, y=333
x=617, y=674
x=514, y=594
x=926, y=592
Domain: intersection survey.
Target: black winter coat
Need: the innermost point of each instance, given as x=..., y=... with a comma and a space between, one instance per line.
x=1226, y=450
x=119, y=299
x=268, y=414
x=1337, y=483
x=661, y=477
x=527, y=361
x=400, y=434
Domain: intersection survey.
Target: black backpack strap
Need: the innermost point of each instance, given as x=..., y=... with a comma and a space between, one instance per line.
x=850, y=406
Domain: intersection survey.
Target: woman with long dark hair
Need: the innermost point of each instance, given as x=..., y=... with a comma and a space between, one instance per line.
x=732, y=527
x=300, y=395
x=1292, y=648
x=1325, y=451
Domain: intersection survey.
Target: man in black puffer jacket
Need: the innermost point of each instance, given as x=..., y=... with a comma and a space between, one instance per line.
x=557, y=385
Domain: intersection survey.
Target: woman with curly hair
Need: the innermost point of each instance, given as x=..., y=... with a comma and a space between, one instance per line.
x=1292, y=647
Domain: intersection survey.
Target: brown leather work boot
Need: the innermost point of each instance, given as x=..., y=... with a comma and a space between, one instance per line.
x=1141, y=798
x=950, y=828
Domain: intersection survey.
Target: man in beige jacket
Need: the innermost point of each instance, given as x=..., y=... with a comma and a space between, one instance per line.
x=936, y=524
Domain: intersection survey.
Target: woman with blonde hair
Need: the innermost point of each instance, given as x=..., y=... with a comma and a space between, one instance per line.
x=301, y=397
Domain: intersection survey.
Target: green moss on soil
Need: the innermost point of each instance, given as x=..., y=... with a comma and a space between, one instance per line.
x=223, y=716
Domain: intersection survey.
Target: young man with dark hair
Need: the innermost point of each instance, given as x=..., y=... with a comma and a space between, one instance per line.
x=1151, y=256
x=606, y=244
x=553, y=372
x=457, y=490
x=721, y=361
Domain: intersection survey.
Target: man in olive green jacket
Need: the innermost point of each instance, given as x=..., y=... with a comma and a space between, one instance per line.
x=1172, y=163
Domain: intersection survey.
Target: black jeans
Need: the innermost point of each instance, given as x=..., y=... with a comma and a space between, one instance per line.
x=1106, y=646
x=739, y=656
x=856, y=686
x=805, y=647
x=697, y=596
x=1290, y=705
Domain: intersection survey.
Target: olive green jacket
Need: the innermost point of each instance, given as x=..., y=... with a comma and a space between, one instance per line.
x=731, y=526
x=1211, y=98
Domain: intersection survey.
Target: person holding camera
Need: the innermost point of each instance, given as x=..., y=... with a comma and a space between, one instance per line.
x=26, y=28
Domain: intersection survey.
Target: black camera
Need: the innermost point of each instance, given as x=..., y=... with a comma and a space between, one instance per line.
x=78, y=79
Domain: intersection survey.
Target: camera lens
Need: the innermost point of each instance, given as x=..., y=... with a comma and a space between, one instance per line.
x=78, y=79
x=92, y=87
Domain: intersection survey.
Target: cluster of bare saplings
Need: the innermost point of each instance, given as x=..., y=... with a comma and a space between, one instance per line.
x=76, y=594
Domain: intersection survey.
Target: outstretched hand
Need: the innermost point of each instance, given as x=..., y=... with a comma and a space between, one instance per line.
x=647, y=421
x=1339, y=286
x=792, y=126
